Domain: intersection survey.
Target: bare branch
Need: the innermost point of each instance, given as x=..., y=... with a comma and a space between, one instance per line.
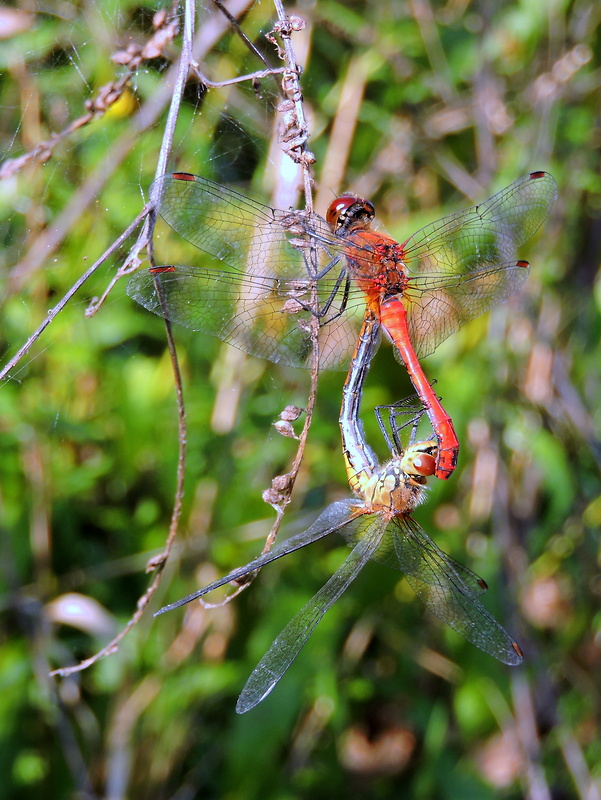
x=157, y=564
x=294, y=138
x=72, y=291
x=166, y=28
x=48, y=241
x=252, y=76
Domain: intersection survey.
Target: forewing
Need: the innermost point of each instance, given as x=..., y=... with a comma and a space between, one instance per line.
x=292, y=639
x=258, y=287
x=387, y=554
x=463, y=264
x=243, y=233
x=484, y=235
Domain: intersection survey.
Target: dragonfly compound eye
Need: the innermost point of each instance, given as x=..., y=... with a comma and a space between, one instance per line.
x=419, y=462
x=424, y=464
x=349, y=211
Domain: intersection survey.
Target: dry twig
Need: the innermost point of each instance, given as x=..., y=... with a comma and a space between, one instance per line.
x=294, y=136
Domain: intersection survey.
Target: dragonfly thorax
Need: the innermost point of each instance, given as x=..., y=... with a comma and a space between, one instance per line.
x=391, y=274
x=392, y=489
x=376, y=262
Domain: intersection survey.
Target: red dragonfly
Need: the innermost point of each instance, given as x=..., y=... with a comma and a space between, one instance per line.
x=379, y=525
x=267, y=267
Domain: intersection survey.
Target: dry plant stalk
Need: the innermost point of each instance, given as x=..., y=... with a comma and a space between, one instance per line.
x=293, y=140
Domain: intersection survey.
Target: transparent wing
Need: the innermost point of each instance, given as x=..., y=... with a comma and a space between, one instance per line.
x=248, y=236
x=484, y=235
x=254, y=290
x=262, y=316
x=447, y=592
x=459, y=266
x=334, y=517
x=463, y=264
x=437, y=308
x=292, y=639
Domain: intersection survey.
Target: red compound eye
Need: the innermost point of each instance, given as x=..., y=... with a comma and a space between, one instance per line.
x=349, y=210
x=423, y=464
x=338, y=209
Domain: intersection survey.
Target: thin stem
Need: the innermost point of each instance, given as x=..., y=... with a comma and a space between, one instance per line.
x=178, y=90
x=251, y=76
x=293, y=91
x=236, y=26
x=75, y=288
x=156, y=564
x=305, y=158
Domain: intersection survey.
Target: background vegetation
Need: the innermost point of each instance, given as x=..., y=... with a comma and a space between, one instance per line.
x=425, y=107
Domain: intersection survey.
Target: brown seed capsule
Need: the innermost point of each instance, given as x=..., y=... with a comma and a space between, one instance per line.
x=290, y=413
x=285, y=428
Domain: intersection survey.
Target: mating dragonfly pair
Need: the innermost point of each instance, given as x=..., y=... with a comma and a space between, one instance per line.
x=268, y=274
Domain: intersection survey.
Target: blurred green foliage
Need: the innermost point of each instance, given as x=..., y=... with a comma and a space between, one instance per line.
x=457, y=99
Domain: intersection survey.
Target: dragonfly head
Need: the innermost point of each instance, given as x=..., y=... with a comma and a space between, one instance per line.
x=419, y=461
x=349, y=212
